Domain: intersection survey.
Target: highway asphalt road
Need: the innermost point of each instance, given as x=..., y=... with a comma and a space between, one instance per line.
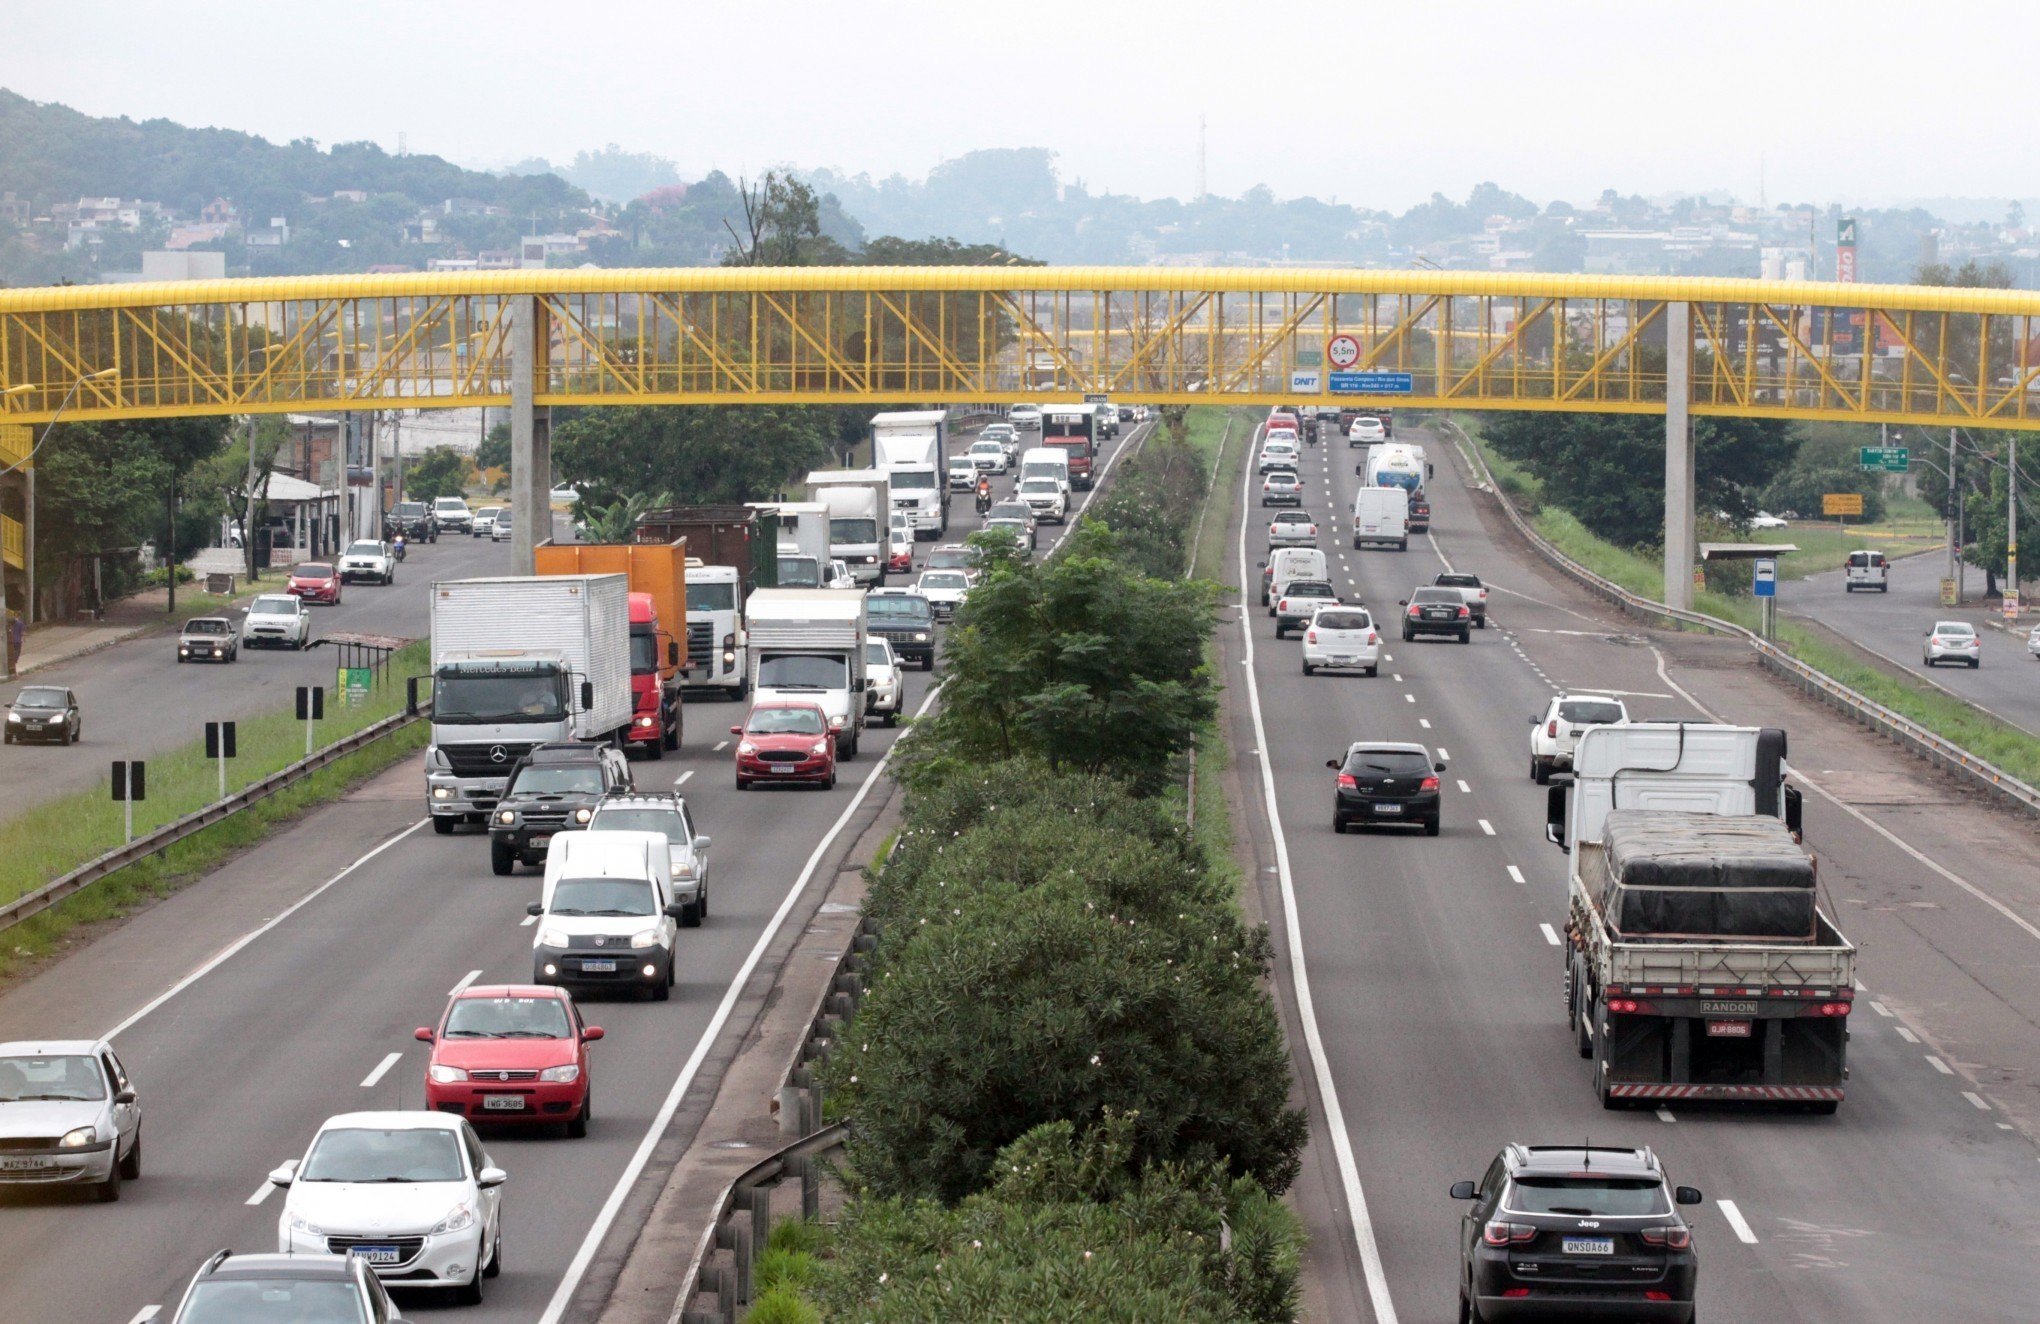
x=252, y=1006
x=1422, y=976
x=1892, y=625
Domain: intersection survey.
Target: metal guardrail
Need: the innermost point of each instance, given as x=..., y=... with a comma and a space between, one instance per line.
x=1896, y=727
x=33, y=903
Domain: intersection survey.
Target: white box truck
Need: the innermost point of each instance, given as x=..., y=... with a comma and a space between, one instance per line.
x=911, y=447
x=808, y=643
x=1381, y=515
x=803, y=550
x=518, y=661
x=860, y=516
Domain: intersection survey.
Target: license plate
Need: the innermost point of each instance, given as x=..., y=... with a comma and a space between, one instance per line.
x=1589, y=1245
x=1388, y=809
x=599, y=967
x=540, y=838
x=1728, y=1029
x=504, y=1103
x=784, y=768
x=378, y=1254
x=33, y=726
x=23, y=1164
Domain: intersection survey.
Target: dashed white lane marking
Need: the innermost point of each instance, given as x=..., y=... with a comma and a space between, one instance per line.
x=261, y=1193
x=382, y=1069
x=1879, y=1008
x=682, y=778
x=528, y=920
x=1736, y=1221
x=1550, y=934
x=1665, y=1115
x=1487, y=827
x=1464, y=789
x=1442, y=755
x=1906, y=1034
x=1424, y=722
x=466, y=979
x=1976, y=1099
x=720, y=746
x=1515, y=874
x=1409, y=698
x=146, y=1312
x=1940, y=1066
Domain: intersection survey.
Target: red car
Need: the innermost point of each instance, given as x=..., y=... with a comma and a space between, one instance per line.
x=315, y=583
x=785, y=742
x=511, y=1053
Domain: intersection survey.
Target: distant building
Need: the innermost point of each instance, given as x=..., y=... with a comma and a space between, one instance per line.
x=14, y=210
x=496, y=259
x=219, y=212
x=184, y=266
x=274, y=235
x=350, y=195
x=188, y=236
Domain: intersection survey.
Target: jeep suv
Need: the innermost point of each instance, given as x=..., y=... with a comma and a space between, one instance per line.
x=1564, y=1232
x=906, y=620
x=552, y=789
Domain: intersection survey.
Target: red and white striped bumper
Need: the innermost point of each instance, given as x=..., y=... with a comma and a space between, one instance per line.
x=1777, y=1093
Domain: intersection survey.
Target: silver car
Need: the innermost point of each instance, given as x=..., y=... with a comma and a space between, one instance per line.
x=882, y=671
x=69, y=1116
x=651, y=811
x=1953, y=641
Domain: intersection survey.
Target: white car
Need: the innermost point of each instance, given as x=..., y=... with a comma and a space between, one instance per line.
x=500, y=530
x=1866, y=569
x=1365, y=432
x=1014, y=511
x=1341, y=637
x=369, y=561
x=1553, y=735
x=1278, y=453
x=2033, y=641
x=989, y=457
x=1046, y=498
x=882, y=669
x=564, y=497
x=1766, y=520
x=1953, y=641
x=412, y=1193
x=1004, y=434
x=963, y=473
x=944, y=589
x=485, y=521
x=453, y=513
x=68, y=1116
x=277, y=619
x=1291, y=528
x=1025, y=418
x=687, y=850
x=956, y=556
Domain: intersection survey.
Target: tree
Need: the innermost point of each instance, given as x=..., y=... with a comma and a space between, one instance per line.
x=97, y=490
x=179, y=445
x=227, y=473
x=441, y=471
x=1985, y=513
x=617, y=522
x=494, y=452
x=701, y=454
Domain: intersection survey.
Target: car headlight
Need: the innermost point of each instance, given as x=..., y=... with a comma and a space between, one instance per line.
x=583, y=815
x=560, y=1075
x=506, y=817
x=684, y=871
x=299, y=1223
x=183, y=649
x=649, y=938
x=78, y=1138
x=821, y=748
x=920, y=636
x=552, y=938
x=442, y=1075
x=458, y=1218
x=746, y=748
x=14, y=717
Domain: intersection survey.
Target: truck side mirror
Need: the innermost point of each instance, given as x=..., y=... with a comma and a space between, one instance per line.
x=1554, y=817
x=672, y=655
x=1795, y=808
x=587, y=696
x=1360, y=470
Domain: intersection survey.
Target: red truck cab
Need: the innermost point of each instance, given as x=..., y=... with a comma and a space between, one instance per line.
x=654, y=719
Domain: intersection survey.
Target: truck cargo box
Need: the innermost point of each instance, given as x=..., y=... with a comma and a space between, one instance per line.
x=1677, y=876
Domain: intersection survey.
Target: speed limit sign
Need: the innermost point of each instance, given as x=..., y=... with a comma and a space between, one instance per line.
x=1342, y=351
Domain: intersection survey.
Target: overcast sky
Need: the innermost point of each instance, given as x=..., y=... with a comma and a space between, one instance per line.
x=1377, y=104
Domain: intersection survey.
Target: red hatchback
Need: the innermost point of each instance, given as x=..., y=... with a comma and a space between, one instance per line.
x=785, y=742
x=315, y=583
x=511, y=1053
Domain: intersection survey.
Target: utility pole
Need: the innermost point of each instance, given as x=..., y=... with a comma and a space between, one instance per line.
x=1954, y=529
x=2012, y=528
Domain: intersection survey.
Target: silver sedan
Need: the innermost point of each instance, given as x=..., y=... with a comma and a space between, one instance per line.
x=69, y=1116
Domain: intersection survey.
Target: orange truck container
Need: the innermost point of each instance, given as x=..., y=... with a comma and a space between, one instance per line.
x=657, y=573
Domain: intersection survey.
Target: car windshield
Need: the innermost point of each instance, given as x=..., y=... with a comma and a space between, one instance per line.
x=904, y=606
x=602, y=896
x=314, y=572
x=987, y=448
x=644, y=654
x=558, y=779
x=1018, y=510
x=506, y=1018
x=852, y=531
x=1308, y=588
x=409, y=509
x=42, y=696
x=370, y=1154
x=997, y=432
x=1589, y=1196
x=450, y=503
x=802, y=671
x=1437, y=596
x=1589, y=712
x=666, y=822
x=207, y=625
x=1389, y=762
x=267, y=606
x=364, y=549
x=485, y=697
x=31, y=1079
x=877, y=655
x=1008, y=524
x=488, y=512
x=944, y=579
x=799, y=572
x=786, y=722
x=951, y=560
x=240, y=1300
x=711, y=597
x=1038, y=485
x=1344, y=620
x=1955, y=628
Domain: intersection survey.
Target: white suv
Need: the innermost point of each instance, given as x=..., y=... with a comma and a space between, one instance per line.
x=1045, y=497
x=368, y=560
x=1341, y=637
x=453, y=513
x=1553, y=736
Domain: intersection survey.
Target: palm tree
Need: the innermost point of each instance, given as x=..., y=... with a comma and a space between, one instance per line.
x=617, y=522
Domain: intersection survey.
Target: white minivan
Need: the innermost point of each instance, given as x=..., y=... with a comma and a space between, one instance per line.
x=607, y=917
x=1866, y=570
x=1286, y=564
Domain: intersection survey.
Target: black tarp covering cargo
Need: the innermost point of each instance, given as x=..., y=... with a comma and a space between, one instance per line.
x=1685, y=876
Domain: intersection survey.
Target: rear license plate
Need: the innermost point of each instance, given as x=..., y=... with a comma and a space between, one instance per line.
x=599, y=967
x=378, y=1254
x=540, y=838
x=503, y=1103
x=24, y=1164
x=1728, y=1029
x=1589, y=1245
x=1388, y=809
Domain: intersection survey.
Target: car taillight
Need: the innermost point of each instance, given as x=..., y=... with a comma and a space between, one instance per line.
x=1348, y=782
x=1373, y=638
x=1498, y=1233
x=1282, y=605
x=1551, y=728
x=1415, y=612
x=1831, y=1009
x=1672, y=1238
x=1310, y=636
x=1430, y=784
x=1625, y=1006
x=1465, y=610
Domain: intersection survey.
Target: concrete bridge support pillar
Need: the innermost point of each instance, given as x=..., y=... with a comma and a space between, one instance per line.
x=530, y=439
x=1679, y=524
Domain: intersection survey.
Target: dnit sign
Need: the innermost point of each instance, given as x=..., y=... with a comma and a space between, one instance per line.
x=1342, y=351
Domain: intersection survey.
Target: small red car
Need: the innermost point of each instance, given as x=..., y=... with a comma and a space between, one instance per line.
x=315, y=583
x=786, y=742
x=511, y=1053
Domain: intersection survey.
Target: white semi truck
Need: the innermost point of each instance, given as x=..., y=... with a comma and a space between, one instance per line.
x=516, y=662
x=860, y=517
x=911, y=447
x=809, y=644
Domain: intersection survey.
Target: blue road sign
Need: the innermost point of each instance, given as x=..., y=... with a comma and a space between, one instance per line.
x=1766, y=585
x=1371, y=383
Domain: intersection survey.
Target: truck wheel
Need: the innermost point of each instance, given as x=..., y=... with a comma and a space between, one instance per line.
x=671, y=739
x=1538, y=772
x=1824, y=1107
x=501, y=859
x=655, y=749
x=442, y=824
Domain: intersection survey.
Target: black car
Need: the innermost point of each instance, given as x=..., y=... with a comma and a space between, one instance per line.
x=1436, y=611
x=1386, y=782
x=413, y=519
x=47, y=713
x=552, y=789
x=1565, y=1232
x=230, y=1288
x=904, y=620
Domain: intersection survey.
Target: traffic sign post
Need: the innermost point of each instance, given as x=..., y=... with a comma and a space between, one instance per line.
x=219, y=747
x=1885, y=459
x=1841, y=505
x=311, y=707
x=130, y=783
x=1765, y=586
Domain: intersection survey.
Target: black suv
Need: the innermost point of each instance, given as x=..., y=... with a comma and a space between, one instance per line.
x=1571, y=1233
x=1436, y=611
x=552, y=789
x=413, y=519
x=1383, y=781
x=904, y=620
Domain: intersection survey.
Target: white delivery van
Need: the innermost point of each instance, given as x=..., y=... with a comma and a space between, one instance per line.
x=1866, y=570
x=607, y=917
x=1288, y=563
x=1382, y=515
x=1045, y=462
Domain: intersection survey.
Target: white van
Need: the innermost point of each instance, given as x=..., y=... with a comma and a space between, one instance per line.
x=1046, y=462
x=607, y=917
x=1287, y=563
x=1866, y=570
x=1382, y=515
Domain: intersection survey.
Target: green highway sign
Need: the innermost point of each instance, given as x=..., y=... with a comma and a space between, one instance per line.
x=1889, y=459
x=1309, y=358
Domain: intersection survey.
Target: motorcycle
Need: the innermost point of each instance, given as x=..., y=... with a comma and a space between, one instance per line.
x=397, y=545
x=984, y=501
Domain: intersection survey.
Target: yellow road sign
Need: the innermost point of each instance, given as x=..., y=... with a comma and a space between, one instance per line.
x=1841, y=503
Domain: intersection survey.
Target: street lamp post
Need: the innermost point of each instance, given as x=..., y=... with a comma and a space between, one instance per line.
x=28, y=529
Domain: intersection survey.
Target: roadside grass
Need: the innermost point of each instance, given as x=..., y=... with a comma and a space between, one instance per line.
x=1207, y=429
x=64, y=833
x=1210, y=814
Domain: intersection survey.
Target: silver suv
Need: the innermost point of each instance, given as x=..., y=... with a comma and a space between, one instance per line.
x=69, y=1116
x=641, y=811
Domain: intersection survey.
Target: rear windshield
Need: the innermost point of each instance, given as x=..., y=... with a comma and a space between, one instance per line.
x=1392, y=762
x=1589, y=712
x=1437, y=595
x=1954, y=627
x=1344, y=620
x=1613, y=1197
x=1308, y=588
x=1860, y=559
x=1459, y=581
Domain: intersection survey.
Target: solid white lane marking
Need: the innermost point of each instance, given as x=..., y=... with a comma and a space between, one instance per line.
x=382, y=1068
x=720, y=746
x=1940, y=1066
x=1879, y=1008
x=1299, y=973
x=1906, y=1034
x=1665, y=1115
x=1487, y=827
x=556, y=1308
x=226, y=953
x=1550, y=934
x=681, y=780
x=1515, y=874
x=1736, y=1221
x=466, y=979
x=261, y=1193
x=1976, y=1099
x=1464, y=789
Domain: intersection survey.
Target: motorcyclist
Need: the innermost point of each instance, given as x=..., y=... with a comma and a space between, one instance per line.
x=984, y=495
x=397, y=545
